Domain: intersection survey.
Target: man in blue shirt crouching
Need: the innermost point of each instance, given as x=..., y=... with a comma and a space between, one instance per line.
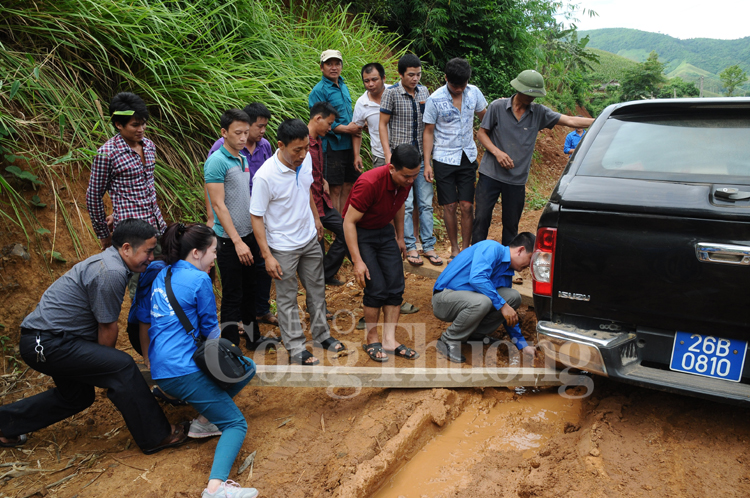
x=474, y=292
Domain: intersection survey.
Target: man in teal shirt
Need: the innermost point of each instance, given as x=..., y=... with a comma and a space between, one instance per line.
x=340, y=171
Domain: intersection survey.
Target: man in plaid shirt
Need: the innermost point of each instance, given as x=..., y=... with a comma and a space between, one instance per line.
x=401, y=111
x=124, y=167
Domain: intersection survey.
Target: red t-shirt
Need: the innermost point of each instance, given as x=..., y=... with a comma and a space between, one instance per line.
x=375, y=195
x=319, y=196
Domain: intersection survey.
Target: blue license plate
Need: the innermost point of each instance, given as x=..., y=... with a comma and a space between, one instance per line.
x=708, y=356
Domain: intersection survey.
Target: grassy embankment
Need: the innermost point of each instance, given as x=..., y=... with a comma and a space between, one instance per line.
x=61, y=61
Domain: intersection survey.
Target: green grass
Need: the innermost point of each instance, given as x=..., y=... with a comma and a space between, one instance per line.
x=610, y=66
x=62, y=61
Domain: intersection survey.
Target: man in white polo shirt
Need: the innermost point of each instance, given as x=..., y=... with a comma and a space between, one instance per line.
x=367, y=112
x=287, y=228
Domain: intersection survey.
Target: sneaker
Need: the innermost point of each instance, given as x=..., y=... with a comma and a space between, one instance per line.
x=199, y=429
x=230, y=489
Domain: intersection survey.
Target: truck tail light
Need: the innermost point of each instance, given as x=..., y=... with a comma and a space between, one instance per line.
x=543, y=261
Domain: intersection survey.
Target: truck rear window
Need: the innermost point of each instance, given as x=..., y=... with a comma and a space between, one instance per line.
x=672, y=148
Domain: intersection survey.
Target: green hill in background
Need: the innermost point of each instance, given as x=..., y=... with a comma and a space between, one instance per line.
x=610, y=66
x=688, y=59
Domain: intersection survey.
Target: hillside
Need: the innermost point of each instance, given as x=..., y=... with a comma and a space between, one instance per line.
x=688, y=59
x=610, y=66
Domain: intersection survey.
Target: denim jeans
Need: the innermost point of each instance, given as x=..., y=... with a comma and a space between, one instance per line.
x=423, y=190
x=217, y=406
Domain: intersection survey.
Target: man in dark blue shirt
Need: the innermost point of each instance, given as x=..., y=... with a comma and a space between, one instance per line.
x=474, y=292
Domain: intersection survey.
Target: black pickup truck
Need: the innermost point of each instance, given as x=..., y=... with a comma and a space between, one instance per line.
x=641, y=270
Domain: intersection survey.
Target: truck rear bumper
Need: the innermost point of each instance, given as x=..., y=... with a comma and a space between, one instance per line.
x=578, y=348
x=616, y=355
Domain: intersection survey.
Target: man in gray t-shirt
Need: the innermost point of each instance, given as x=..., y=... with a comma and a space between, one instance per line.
x=71, y=336
x=508, y=133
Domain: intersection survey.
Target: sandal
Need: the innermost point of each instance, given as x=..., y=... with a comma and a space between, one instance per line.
x=361, y=324
x=176, y=438
x=301, y=358
x=408, y=309
x=414, y=260
x=404, y=352
x=162, y=396
x=331, y=344
x=268, y=318
x=12, y=442
x=434, y=259
x=372, y=351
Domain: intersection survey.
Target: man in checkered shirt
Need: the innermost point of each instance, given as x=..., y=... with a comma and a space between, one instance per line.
x=124, y=167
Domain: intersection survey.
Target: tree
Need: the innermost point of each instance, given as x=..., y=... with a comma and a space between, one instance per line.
x=644, y=80
x=731, y=78
x=679, y=88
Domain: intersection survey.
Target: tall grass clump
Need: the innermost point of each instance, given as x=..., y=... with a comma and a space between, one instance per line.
x=61, y=62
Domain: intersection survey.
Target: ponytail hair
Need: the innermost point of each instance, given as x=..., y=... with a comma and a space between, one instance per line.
x=178, y=240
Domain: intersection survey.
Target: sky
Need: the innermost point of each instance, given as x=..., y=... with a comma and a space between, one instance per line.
x=726, y=20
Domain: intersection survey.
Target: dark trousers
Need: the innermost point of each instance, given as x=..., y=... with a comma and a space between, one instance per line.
x=513, y=198
x=333, y=259
x=237, y=290
x=77, y=366
x=380, y=252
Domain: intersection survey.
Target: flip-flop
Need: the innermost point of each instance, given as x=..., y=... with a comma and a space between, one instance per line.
x=14, y=441
x=404, y=352
x=414, y=260
x=372, y=351
x=408, y=309
x=434, y=259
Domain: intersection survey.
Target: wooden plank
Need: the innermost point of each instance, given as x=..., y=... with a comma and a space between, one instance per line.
x=391, y=377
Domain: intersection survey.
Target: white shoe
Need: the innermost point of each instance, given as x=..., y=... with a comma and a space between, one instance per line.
x=199, y=429
x=230, y=489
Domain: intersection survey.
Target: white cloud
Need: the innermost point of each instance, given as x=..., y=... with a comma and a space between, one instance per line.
x=727, y=20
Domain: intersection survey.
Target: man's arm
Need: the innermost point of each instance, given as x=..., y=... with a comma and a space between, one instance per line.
x=145, y=341
x=383, y=129
x=357, y=146
x=361, y=272
x=575, y=121
x=480, y=114
x=502, y=158
x=108, y=334
x=398, y=223
x=216, y=192
x=259, y=230
x=428, y=140
x=316, y=216
x=94, y=194
x=351, y=128
x=209, y=210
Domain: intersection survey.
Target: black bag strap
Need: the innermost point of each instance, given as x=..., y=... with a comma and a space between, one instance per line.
x=177, y=308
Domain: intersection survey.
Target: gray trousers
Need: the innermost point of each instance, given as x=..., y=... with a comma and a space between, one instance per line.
x=307, y=262
x=377, y=161
x=472, y=313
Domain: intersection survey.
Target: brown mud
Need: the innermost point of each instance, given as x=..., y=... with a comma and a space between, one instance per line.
x=619, y=441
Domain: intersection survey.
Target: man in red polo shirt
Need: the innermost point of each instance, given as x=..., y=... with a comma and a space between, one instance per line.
x=377, y=198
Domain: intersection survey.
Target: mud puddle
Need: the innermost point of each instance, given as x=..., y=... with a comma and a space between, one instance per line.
x=444, y=464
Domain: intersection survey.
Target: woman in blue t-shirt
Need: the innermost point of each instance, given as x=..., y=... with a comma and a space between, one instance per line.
x=191, y=250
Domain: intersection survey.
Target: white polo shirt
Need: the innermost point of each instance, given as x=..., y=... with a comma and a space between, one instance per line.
x=282, y=197
x=367, y=111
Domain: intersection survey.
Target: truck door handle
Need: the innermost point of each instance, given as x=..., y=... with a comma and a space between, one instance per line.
x=731, y=194
x=722, y=253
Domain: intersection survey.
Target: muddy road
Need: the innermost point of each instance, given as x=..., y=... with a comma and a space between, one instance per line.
x=613, y=441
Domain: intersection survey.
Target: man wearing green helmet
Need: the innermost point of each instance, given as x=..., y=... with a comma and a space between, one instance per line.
x=508, y=133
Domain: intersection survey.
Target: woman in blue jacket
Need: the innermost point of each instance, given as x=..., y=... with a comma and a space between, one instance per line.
x=191, y=250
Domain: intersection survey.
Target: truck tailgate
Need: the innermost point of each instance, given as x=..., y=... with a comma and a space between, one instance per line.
x=633, y=258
